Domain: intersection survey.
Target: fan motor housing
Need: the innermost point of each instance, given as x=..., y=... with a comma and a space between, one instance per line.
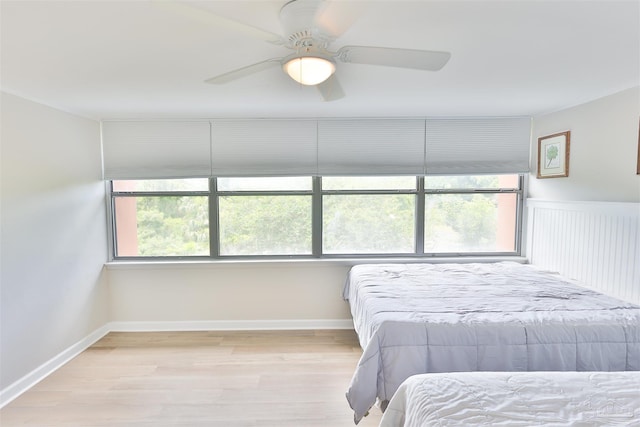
x=298, y=20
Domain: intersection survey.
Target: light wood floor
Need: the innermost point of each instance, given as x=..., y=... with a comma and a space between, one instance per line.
x=226, y=379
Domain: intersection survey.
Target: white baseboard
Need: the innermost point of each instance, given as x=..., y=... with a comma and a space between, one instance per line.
x=14, y=390
x=230, y=325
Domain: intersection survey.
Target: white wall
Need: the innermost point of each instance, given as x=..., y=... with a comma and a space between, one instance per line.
x=586, y=226
x=603, y=150
x=244, y=294
x=53, y=241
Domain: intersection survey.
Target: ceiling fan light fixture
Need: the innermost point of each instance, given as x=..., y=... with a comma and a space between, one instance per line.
x=309, y=70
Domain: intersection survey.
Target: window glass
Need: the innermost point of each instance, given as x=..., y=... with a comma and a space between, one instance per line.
x=369, y=183
x=358, y=215
x=300, y=183
x=161, y=226
x=470, y=222
x=265, y=225
x=160, y=185
x=366, y=224
x=471, y=182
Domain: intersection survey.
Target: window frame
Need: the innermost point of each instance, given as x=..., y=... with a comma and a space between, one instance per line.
x=316, y=193
x=415, y=192
x=155, y=193
x=214, y=232
x=519, y=191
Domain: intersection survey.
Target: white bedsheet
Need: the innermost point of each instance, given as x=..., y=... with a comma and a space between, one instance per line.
x=516, y=399
x=420, y=318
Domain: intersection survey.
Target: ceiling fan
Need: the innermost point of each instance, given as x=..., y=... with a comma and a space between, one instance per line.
x=311, y=26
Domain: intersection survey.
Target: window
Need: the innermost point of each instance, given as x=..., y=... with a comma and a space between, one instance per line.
x=308, y=216
x=368, y=215
x=471, y=214
x=264, y=216
x=158, y=218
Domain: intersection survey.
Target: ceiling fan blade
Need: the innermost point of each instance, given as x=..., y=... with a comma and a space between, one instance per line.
x=334, y=18
x=244, y=71
x=208, y=17
x=330, y=89
x=394, y=57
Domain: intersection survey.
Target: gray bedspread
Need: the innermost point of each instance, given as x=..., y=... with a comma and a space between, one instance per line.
x=420, y=318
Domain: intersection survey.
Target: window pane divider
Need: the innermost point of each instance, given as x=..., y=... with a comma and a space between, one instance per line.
x=316, y=218
x=160, y=193
x=356, y=192
x=472, y=191
x=419, y=217
x=264, y=193
x=214, y=225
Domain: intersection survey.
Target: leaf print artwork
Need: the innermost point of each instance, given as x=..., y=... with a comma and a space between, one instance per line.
x=552, y=156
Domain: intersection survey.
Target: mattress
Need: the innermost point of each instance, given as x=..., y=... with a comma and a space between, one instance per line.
x=422, y=318
x=516, y=399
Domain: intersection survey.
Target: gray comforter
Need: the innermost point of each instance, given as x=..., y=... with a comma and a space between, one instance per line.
x=420, y=318
x=516, y=399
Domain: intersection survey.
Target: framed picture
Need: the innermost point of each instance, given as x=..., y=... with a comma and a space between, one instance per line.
x=638, y=164
x=553, y=155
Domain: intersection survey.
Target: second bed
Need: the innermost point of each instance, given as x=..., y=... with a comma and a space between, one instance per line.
x=515, y=399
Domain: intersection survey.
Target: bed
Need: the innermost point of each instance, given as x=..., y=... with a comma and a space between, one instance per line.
x=516, y=399
x=507, y=317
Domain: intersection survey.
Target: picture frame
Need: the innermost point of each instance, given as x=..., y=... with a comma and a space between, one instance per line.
x=553, y=155
x=638, y=164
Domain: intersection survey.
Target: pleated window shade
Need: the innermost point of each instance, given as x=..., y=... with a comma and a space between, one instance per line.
x=285, y=147
x=371, y=146
x=156, y=149
x=477, y=145
x=264, y=147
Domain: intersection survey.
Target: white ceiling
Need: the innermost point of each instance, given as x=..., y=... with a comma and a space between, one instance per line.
x=137, y=59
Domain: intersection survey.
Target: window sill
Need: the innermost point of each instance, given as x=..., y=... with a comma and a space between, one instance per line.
x=295, y=263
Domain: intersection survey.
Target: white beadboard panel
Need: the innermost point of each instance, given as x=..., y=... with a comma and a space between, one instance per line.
x=596, y=243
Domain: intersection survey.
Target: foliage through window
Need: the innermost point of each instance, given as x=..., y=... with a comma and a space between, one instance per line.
x=368, y=215
x=264, y=216
x=316, y=216
x=156, y=218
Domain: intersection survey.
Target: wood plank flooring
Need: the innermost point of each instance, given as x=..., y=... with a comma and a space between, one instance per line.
x=225, y=379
